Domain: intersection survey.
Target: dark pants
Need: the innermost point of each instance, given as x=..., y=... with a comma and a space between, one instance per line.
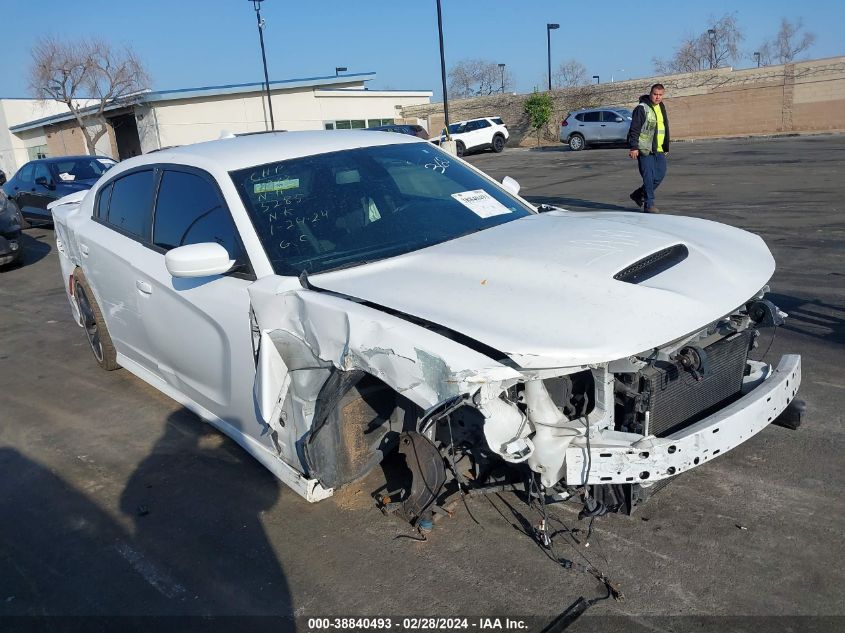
x=653, y=170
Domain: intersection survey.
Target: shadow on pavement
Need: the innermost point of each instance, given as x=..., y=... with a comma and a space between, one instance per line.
x=35, y=247
x=196, y=501
x=199, y=547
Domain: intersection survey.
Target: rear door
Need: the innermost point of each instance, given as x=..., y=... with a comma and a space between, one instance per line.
x=111, y=247
x=21, y=188
x=589, y=125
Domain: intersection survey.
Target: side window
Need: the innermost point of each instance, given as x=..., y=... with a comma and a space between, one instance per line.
x=483, y=124
x=592, y=117
x=103, y=202
x=610, y=117
x=580, y=117
x=41, y=171
x=189, y=210
x=498, y=120
x=26, y=173
x=132, y=202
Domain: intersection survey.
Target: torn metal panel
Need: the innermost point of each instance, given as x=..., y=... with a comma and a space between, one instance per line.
x=419, y=364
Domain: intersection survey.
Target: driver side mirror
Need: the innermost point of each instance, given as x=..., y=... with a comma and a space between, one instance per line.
x=511, y=185
x=198, y=260
x=42, y=180
x=619, y=119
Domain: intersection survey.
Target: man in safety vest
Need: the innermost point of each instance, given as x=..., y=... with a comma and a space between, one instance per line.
x=648, y=142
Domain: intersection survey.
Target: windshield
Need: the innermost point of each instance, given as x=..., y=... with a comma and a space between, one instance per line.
x=347, y=208
x=82, y=168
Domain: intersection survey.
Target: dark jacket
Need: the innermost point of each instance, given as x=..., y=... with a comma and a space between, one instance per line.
x=637, y=121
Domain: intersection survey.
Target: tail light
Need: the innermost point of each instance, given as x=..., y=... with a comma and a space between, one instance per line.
x=564, y=122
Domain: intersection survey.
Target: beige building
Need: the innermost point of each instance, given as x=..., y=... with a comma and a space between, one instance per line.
x=18, y=148
x=164, y=118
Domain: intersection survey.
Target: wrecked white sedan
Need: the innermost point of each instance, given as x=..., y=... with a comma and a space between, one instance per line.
x=329, y=298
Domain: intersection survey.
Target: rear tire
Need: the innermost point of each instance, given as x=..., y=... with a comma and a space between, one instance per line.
x=92, y=320
x=577, y=143
x=498, y=143
x=460, y=148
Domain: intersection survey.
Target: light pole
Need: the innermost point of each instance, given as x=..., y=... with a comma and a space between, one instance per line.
x=256, y=4
x=502, y=69
x=339, y=69
x=712, y=34
x=757, y=56
x=596, y=77
x=443, y=69
x=549, y=29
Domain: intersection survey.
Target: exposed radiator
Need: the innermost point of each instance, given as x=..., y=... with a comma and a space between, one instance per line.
x=676, y=399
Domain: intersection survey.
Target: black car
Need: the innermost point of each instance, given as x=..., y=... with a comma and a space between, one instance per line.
x=11, y=249
x=403, y=128
x=40, y=182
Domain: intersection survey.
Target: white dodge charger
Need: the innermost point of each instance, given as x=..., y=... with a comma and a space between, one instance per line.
x=328, y=298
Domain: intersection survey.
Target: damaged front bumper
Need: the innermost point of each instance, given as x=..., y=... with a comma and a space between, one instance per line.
x=620, y=458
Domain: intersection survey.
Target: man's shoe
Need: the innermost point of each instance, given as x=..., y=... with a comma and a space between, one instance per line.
x=637, y=197
x=651, y=210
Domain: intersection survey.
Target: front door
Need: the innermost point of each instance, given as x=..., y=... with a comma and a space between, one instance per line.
x=199, y=327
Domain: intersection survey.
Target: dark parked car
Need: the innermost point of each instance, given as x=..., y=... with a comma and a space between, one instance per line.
x=11, y=249
x=403, y=128
x=40, y=182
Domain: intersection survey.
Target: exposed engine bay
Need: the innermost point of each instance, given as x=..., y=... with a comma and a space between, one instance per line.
x=611, y=434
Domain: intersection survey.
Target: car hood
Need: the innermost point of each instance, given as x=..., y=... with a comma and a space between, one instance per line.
x=542, y=290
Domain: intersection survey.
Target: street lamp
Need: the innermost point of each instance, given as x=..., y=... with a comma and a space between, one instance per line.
x=339, y=69
x=757, y=56
x=443, y=69
x=596, y=77
x=549, y=29
x=712, y=34
x=502, y=68
x=256, y=4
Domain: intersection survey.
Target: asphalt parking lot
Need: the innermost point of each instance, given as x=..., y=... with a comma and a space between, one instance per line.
x=114, y=500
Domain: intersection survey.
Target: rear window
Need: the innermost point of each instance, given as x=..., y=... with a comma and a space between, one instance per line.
x=498, y=120
x=131, y=203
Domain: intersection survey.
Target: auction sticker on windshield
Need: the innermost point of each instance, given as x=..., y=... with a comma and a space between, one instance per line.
x=481, y=203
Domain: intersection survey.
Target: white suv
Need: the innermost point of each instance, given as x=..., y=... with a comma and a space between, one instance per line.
x=477, y=134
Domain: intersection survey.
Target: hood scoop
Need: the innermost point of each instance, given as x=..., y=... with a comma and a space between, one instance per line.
x=653, y=265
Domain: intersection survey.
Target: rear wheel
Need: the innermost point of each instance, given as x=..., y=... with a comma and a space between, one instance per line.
x=92, y=320
x=498, y=143
x=460, y=148
x=576, y=142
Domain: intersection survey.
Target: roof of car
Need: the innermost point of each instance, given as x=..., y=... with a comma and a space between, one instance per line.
x=246, y=151
x=56, y=159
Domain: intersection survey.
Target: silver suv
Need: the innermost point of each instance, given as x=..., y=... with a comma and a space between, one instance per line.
x=595, y=126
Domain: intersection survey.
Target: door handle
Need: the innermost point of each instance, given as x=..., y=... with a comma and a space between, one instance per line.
x=603, y=125
x=84, y=250
x=144, y=287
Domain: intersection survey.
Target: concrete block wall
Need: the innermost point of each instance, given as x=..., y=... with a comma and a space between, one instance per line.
x=805, y=96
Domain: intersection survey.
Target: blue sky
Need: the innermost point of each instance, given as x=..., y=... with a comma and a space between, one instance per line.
x=190, y=43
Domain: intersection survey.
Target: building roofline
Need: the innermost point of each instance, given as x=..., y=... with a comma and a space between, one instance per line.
x=206, y=91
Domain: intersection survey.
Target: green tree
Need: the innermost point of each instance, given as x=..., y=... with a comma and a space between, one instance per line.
x=538, y=107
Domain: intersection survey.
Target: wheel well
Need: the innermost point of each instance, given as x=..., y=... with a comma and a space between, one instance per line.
x=357, y=421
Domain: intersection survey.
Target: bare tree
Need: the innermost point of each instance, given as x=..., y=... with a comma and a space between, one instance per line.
x=478, y=78
x=569, y=74
x=75, y=73
x=789, y=42
x=715, y=47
